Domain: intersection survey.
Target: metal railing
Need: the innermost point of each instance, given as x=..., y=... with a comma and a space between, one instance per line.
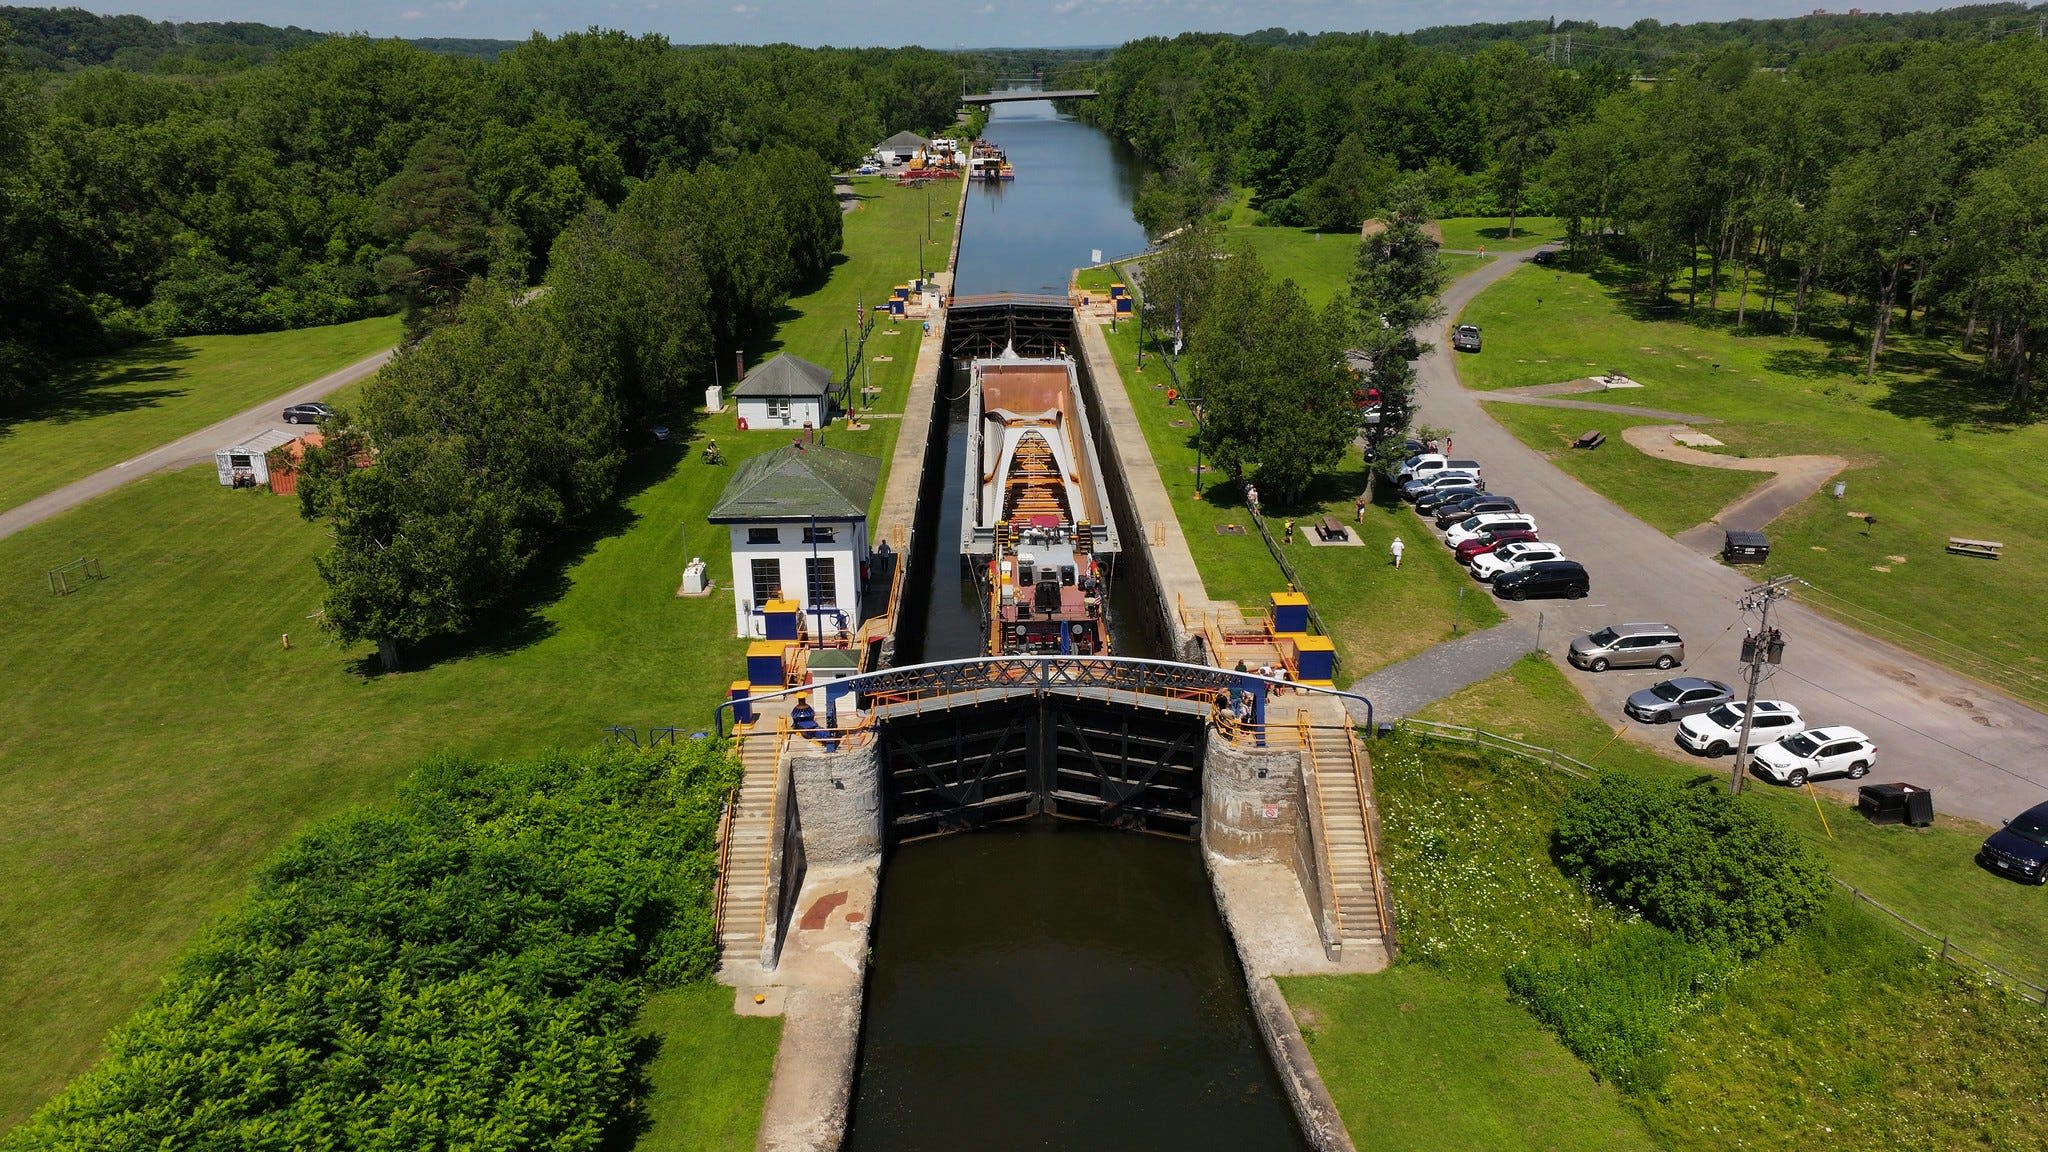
x=1472, y=734
x=1012, y=676
x=725, y=826
x=1953, y=953
x=1368, y=814
x=1329, y=869
x=774, y=825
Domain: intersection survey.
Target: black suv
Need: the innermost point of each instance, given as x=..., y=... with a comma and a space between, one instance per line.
x=1566, y=578
x=2020, y=849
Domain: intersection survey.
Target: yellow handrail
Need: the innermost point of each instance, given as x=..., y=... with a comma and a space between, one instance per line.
x=1372, y=851
x=774, y=810
x=1308, y=745
x=725, y=822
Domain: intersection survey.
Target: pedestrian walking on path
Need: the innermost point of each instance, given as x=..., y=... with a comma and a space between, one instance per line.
x=1397, y=547
x=1251, y=497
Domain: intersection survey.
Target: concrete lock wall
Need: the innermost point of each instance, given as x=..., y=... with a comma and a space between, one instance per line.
x=839, y=799
x=1246, y=816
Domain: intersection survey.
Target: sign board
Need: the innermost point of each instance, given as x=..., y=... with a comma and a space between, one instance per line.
x=1095, y=255
x=1271, y=812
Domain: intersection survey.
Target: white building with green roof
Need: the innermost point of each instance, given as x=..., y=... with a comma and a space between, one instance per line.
x=798, y=518
x=785, y=392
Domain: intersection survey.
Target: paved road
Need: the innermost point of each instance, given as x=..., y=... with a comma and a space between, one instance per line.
x=188, y=450
x=1985, y=756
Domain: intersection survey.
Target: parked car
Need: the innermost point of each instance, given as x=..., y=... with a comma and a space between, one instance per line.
x=1718, y=730
x=1677, y=698
x=1543, y=256
x=1814, y=753
x=1423, y=464
x=1509, y=557
x=868, y=169
x=1428, y=502
x=1414, y=489
x=1479, y=522
x=1465, y=338
x=1486, y=542
x=1456, y=509
x=2020, y=849
x=1628, y=646
x=307, y=413
x=1566, y=578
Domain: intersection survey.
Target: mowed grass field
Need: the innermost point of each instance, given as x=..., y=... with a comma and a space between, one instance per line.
x=1931, y=456
x=158, y=740
x=110, y=408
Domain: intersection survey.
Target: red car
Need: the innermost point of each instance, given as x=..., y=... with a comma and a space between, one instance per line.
x=1486, y=543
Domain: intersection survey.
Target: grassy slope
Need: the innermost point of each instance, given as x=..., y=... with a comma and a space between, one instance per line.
x=1419, y=1060
x=1927, y=875
x=166, y=743
x=1928, y=459
x=111, y=408
x=1848, y=1036
x=1491, y=232
x=1669, y=496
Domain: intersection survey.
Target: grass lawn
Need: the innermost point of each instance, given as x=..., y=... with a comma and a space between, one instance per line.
x=1668, y=495
x=1927, y=875
x=110, y=408
x=1491, y=232
x=1419, y=1059
x=167, y=743
x=1930, y=457
x=709, y=1075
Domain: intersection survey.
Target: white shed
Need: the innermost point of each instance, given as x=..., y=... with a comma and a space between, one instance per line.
x=901, y=147
x=786, y=392
x=246, y=465
x=799, y=523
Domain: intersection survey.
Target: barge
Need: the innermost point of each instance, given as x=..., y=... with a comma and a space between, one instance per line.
x=985, y=161
x=1036, y=527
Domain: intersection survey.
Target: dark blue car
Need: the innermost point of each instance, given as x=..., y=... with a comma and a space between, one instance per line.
x=2020, y=849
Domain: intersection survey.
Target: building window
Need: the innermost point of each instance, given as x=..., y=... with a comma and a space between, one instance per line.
x=820, y=534
x=778, y=408
x=764, y=536
x=239, y=460
x=821, y=577
x=767, y=580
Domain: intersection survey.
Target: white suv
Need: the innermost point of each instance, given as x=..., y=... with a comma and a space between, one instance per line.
x=1512, y=555
x=1814, y=753
x=1715, y=732
x=1482, y=522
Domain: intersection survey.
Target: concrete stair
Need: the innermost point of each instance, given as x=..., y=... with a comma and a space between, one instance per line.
x=1348, y=853
x=746, y=864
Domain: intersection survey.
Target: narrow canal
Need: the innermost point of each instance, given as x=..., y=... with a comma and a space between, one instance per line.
x=1048, y=985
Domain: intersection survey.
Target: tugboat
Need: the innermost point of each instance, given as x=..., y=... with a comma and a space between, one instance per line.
x=985, y=161
x=1036, y=526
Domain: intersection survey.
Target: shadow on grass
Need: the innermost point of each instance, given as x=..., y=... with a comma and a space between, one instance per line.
x=630, y=1124
x=521, y=621
x=103, y=385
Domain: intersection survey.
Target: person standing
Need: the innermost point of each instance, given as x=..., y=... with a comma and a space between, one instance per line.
x=1290, y=531
x=1251, y=497
x=1358, y=505
x=1396, y=548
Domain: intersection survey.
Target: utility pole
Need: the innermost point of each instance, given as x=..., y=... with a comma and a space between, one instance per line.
x=1759, y=648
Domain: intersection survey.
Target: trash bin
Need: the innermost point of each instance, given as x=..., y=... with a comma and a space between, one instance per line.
x=1745, y=548
x=1897, y=803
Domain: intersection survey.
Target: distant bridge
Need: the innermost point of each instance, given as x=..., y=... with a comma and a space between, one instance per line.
x=1012, y=95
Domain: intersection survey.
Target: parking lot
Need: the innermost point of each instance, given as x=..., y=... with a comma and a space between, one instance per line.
x=1984, y=755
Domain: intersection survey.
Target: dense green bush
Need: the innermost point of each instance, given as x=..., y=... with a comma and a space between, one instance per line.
x=459, y=972
x=1615, y=1004
x=1692, y=858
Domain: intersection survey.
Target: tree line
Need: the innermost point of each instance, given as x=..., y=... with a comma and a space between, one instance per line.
x=351, y=176
x=462, y=970
x=1905, y=179
x=507, y=426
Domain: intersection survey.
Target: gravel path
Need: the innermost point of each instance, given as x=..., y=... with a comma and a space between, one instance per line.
x=1797, y=477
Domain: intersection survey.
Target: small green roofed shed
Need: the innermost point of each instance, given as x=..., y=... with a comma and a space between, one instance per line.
x=785, y=392
x=797, y=483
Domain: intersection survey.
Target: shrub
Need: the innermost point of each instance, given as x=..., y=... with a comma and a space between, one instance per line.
x=460, y=972
x=1615, y=1005
x=1707, y=865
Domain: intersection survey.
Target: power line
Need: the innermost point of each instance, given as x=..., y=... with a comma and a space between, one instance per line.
x=1917, y=732
x=1900, y=628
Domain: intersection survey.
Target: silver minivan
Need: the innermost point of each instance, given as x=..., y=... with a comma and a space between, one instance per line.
x=1628, y=646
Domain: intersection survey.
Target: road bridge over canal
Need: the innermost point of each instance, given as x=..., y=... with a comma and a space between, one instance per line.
x=1013, y=95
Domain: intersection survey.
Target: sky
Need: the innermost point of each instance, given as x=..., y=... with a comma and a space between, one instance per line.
x=937, y=23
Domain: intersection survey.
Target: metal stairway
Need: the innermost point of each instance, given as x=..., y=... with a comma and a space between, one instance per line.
x=1343, y=784
x=743, y=883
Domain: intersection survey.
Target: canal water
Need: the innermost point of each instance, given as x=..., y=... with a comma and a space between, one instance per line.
x=1050, y=985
